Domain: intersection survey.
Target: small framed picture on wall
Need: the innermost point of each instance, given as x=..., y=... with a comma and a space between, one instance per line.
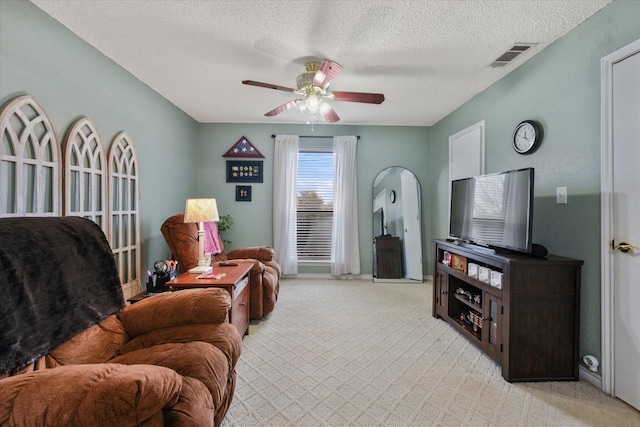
x=243, y=193
x=244, y=170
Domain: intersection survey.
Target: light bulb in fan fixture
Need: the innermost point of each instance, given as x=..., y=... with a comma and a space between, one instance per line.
x=313, y=102
x=324, y=107
x=301, y=106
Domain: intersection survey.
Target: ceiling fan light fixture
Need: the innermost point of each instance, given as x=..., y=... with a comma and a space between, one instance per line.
x=312, y=86
x=301, y=106
x=313, y=102
x=304, y=81
x=324, y=107
x=312, y=117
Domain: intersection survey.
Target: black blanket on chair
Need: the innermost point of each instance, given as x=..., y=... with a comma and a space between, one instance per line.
x=58, y=276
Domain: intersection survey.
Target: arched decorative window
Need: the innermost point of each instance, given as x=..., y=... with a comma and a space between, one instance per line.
x=85, y=174
x=124, y=218
x=29, y=161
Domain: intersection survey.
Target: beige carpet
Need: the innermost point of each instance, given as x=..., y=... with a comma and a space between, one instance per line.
x=356, y=353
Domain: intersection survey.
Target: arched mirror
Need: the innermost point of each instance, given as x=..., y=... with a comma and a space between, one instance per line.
x=397, y=233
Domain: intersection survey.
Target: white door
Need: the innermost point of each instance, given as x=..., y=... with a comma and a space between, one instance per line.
x=412, y=231
x=466, y=154
x=626, y=205
x=621, y=341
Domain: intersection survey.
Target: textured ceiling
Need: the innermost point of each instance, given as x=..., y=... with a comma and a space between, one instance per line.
x=427, y=57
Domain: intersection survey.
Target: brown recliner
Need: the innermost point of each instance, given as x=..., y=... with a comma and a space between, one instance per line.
x=72, y=354
x=182, y=239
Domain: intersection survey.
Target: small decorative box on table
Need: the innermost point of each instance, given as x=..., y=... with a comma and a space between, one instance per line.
x=234, y=277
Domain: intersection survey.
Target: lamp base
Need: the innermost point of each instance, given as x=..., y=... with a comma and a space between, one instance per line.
x=201, y=269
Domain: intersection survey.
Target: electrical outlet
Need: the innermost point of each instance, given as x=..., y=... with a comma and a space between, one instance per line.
x=561, y=195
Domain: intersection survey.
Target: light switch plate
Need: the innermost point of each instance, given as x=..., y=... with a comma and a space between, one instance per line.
x=561, y=195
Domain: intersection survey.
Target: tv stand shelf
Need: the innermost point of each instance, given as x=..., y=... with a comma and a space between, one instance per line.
x=471, y=305
x=528, y=322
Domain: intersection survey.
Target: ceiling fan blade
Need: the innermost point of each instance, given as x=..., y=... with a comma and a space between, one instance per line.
x=326, y=73
x=282, y=108
x=331, y=116
x=369, y=98
x=267, y=85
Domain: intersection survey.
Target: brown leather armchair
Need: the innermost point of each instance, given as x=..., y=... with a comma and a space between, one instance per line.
x=72, y=354
x=182, y=239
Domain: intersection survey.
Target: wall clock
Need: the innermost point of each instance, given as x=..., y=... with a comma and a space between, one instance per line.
x=392, y=196
x=527, y=137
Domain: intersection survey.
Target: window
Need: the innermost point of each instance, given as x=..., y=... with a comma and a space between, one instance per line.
x=315, y=204
x=490, y=209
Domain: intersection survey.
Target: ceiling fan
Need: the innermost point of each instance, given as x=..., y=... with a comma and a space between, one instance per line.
x=313, y=85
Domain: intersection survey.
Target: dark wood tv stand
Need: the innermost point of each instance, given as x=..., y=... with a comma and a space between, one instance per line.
x=530, y=326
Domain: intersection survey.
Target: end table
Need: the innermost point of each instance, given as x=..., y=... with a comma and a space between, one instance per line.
x=233, y=278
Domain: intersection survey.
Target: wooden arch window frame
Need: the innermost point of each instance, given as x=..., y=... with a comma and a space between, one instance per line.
x=31, y=166
x=124, y=212
x=85, y=174
x=30, y=157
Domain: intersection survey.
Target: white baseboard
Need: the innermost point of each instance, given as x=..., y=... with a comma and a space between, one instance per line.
x=366, y=277
x=325, y=276
x=592, y=377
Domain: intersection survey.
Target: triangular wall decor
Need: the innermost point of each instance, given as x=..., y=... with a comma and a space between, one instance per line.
x=243, y=148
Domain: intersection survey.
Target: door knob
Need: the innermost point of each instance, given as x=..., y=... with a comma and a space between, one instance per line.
x=624, y=247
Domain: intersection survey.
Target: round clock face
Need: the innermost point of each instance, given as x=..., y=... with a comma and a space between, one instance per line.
x=527, y=137
x=392, y=196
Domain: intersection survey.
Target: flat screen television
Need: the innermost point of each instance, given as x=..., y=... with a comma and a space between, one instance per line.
x=494, y=210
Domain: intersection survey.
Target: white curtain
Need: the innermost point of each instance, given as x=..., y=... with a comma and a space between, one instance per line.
x=285, y=173
x=345, y=249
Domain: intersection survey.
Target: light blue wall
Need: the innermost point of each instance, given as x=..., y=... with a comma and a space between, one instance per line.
x=69, y=79
x=560, y=87
x=378, y=148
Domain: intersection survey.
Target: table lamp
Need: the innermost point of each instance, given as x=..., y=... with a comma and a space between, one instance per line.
x=201, y=211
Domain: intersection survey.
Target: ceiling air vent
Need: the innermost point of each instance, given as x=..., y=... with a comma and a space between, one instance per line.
x=511, y=54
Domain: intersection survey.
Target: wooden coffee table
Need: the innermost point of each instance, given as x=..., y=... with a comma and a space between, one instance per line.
x=233, y=278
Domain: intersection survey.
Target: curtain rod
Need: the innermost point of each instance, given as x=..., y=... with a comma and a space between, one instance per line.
x=314, y=136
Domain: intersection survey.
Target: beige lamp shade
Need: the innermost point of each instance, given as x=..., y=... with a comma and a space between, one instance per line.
x=201, y=210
